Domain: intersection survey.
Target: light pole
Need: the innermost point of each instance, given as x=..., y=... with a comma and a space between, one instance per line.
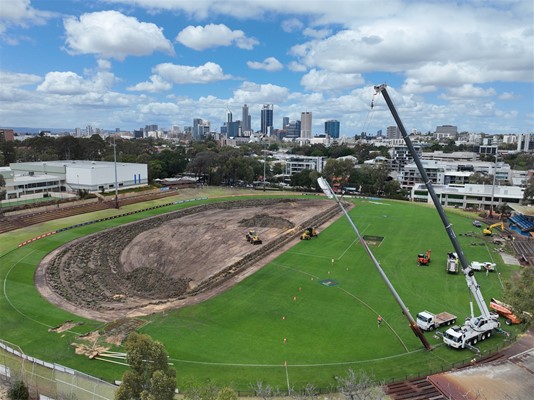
x=493, y=186
x=264, y=163
x=116, y=184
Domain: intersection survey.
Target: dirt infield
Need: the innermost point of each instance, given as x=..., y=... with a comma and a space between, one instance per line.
x=175, y=259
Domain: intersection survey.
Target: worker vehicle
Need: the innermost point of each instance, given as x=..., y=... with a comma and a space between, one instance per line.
x=309, y=233
x=506, y=311
x=474, y=329
x=489, y=230
x=452, y=262
x=428, y=321
x=424, y=259
x=478, y=224
x=253, y=237
x=483, y=266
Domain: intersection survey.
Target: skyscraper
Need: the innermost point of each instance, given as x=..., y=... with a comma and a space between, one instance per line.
x=267, y=119
x=285, y=122
x=331, y=127
x=306, y=124
x=245, y=121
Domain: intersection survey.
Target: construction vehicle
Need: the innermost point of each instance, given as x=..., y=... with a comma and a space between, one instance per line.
x=253, y=237
x=483, y=266
x=424, y=259
x=428, y=321
x=309, y=233
x=452, y=262
x=489, y=230
x=506, y=311
x=474, y=328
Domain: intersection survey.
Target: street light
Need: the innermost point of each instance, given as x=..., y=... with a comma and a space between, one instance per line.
x=493, y=186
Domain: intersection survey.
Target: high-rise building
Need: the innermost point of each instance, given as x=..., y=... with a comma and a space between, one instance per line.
x=331, y=127
x=393, y=132
x=229, y=116
x=285, y=122
x=245, y=121
x=197, y=127
x=306, y=124
x=293, y=129
x=267, y=119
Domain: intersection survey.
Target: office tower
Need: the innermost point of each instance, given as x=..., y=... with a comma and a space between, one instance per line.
x=285, y=122
x=245, y=121
x=267, y=119
x=293, y=129
x=331, y=127
x=306, y=124
x=229, y=116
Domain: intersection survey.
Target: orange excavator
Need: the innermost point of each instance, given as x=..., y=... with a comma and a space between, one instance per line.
x=424, y=259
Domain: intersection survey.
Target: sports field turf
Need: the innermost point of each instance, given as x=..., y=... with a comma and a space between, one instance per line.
x=283, y=325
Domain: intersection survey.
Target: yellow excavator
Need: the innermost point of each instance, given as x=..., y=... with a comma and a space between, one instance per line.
x=489, y=230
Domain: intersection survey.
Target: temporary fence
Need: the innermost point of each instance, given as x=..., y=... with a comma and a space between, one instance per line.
x=50, y=381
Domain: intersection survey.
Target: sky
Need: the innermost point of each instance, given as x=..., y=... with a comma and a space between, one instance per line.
x=130, y=63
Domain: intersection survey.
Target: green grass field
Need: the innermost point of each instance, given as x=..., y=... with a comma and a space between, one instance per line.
x=281, y=325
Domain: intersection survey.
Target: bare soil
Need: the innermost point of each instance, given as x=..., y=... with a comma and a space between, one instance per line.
x=175, y=259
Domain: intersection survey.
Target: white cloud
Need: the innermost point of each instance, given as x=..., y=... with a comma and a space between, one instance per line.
x=110, y=34
x=155, y=84
x=296, y=67
x=181, y=74
x=20, y=12
x=269, y=64
x=508, y=96
x=250, y=92
x=292, y=25
x=209, y=36
x=317, y=33
x=413, y=86
x=11, y=80
x=323, y=80
x=70, y=83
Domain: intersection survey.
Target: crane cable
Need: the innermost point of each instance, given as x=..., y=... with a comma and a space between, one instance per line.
x=370, y=114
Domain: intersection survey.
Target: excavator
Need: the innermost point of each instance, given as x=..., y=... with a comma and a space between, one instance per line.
x=489, y=230
x=424, y=259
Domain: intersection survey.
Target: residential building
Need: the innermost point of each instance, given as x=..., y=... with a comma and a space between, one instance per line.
x=7, y=134
x=393, y=132
x=446, y=132
x=400, y=156
x=525, y=142
x=296, y=164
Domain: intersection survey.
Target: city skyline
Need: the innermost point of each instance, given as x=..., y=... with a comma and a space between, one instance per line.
x=125, y=64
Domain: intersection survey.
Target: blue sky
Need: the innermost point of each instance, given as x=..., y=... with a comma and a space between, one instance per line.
x=128, y=63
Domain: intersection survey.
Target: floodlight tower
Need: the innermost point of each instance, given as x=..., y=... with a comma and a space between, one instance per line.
x=413, y=325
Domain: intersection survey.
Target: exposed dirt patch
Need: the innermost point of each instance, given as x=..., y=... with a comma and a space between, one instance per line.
x=173, y=259
x=65, y=326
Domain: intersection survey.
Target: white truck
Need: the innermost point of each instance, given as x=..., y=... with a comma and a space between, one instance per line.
x=452, y=263
x=428, y=321
x=482, y=266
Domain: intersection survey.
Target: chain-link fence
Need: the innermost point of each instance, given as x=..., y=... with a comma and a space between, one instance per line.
x=50, y=381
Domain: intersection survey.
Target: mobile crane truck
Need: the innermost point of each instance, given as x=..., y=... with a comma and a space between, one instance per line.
x=474, y=328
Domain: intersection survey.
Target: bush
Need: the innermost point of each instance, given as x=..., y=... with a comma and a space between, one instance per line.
x=18, y=391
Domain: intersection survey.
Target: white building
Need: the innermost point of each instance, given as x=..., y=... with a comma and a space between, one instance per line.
x=48, y=177
x=469, y=196
x=296, y=164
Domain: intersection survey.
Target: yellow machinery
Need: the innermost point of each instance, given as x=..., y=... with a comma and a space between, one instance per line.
x=309, y=233
x=488, y=231
x=253, y=237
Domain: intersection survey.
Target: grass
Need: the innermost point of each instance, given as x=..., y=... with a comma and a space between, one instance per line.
x=238, y=337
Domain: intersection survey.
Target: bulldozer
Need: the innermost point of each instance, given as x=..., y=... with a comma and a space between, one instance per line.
x=253, y=237
x=424, y=259
x=489, y=230
x=309, y=233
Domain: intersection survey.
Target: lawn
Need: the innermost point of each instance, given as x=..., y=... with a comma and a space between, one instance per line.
x=306, y=317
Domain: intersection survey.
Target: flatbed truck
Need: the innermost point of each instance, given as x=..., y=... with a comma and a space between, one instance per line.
x=428, y=321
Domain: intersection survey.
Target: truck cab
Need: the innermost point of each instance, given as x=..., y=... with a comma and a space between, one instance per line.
x=425, y=320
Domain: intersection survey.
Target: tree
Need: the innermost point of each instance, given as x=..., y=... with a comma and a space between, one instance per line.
x=359, y=386
x=227, y=393
x=149, y=377
x=18, y=391
x=519, y=293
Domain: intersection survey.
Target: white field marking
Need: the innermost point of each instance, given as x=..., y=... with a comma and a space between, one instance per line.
x=383, y=320
x=380, y=204
x=296, y=365
x=7, y=298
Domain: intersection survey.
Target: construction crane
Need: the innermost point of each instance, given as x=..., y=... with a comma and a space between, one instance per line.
x=413, y=325
x=475, y=328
